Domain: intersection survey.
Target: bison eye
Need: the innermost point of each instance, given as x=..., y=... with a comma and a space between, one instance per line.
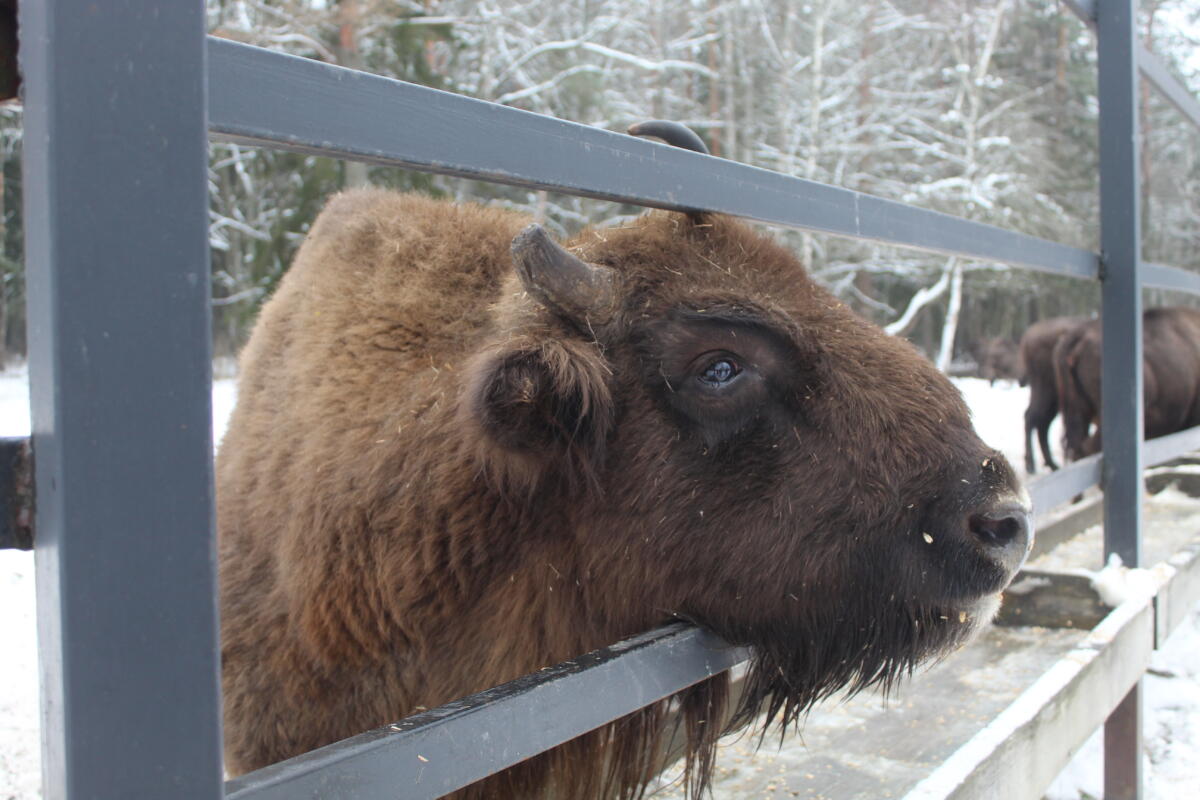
x=719, y=373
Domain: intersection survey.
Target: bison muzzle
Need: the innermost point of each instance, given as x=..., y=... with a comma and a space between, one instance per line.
x=463, y=452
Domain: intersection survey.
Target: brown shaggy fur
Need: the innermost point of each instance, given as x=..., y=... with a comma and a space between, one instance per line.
x=1170, y=378
x=432, y=485
x=1036, y=355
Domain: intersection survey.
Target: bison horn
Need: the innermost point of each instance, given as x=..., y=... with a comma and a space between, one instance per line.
x=672, y=133
x=565, y=284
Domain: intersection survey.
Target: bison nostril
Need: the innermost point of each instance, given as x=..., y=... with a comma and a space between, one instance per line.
x=1000, y=529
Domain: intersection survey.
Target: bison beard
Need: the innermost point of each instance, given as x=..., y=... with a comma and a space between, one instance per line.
x=450, y=466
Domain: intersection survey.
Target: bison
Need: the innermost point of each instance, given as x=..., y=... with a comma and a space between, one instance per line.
x=998, y=359
x=462, y=452
x=1036, y=352
x=1170, y=378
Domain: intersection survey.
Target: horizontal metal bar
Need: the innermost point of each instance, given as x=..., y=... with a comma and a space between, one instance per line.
x=1156, y=73
x=1165, y=448
x=1175, y=601
x=438, y=751
x=1047, y=492
x=1060, y=486
x=254, y=99
x=1162, y=276
x=1149, y=65
x=1021, y=751
x=16, y=494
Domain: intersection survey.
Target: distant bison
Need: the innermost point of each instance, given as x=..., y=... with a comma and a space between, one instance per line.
x=463, y=452
x=1036, y=365
x=998, y=359
x=1170, y=377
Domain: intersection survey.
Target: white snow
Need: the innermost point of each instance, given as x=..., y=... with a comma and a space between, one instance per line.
x=14, y=402
x=1171, y=728
x=998, y=412
x=1117, y=583
x=20, y=754
x=1172, y=688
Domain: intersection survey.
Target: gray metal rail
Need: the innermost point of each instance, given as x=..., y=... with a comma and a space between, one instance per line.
x=1058, y=487
x=348, y=114
x=16, y=494
x=1166, y=448
x=1156, y=73
x=1148, y=64
x=459, y=743
x=116, y=243
x=1162, y=276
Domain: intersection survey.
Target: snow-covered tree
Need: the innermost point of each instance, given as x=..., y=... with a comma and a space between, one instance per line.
x=979, y=108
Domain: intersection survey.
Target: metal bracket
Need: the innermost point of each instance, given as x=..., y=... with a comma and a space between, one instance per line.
x=16, y=494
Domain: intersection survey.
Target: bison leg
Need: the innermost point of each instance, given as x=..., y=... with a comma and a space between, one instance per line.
x=1044, y=441
x=1030, y=467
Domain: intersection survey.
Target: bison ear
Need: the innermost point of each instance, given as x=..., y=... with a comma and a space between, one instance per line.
x=539, y=401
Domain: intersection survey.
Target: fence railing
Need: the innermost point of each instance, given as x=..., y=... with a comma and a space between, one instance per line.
x=117, y=110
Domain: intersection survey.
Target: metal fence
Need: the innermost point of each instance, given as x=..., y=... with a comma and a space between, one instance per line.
x=118, y=106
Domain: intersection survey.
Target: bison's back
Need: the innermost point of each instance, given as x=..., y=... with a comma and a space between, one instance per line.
x=1172, y=369
x=383, y=300
x=1036, y=349
x=367, y=331
x=364, y=337
x=389, y=278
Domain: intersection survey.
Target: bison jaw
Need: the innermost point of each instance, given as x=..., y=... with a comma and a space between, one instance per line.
x=911, y=616
x=787, y=676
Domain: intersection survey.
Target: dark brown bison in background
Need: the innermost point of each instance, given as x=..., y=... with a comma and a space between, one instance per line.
x=1038, y=373
x=1170, y=376
x=463, y=452
x=998, y=359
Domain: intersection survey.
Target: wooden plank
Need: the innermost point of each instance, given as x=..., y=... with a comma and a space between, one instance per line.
x=1180, y=594
x=1023, y=749
x=877, y=747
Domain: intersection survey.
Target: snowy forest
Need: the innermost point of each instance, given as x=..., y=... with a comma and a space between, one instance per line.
x=984, y=109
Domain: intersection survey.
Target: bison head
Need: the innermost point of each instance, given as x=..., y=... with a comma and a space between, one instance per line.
x=742, y=451
x=450, y=466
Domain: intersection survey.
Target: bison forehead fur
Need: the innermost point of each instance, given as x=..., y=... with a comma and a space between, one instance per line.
x=436, y=481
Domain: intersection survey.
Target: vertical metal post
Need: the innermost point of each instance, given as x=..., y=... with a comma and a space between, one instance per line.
x=1121, y=394
x=1120, y=250
x=115, y=151
x=1123, y=748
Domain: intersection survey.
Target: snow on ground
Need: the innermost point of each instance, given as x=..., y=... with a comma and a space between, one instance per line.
x=20, y=756
x=14, y=403
x=1172, y=689
x=1171, y=728
x=998, y=412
